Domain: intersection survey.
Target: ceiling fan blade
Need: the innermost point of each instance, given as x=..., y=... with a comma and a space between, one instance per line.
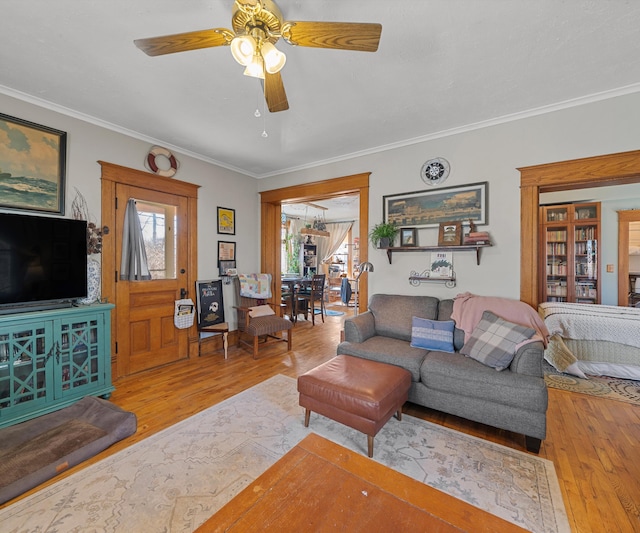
x=362, y=37
x=274, y=92
x=183, y=42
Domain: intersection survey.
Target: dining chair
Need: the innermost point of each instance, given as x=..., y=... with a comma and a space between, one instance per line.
x=313, y=297
x=258, y=322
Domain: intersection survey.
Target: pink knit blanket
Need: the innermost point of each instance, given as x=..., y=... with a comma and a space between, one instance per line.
x=468, y=309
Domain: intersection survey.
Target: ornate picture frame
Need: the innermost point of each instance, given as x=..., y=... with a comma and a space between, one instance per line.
x=226, y=221
x=32, y=166
x=427, y=209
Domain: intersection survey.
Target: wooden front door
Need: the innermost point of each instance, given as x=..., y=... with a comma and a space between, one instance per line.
x=143, y=331
x=147, y=336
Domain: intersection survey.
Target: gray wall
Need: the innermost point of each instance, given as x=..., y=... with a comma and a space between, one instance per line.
x=89, y=142
x=493, y=154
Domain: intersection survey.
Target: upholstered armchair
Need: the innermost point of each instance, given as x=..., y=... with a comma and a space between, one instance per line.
x=259, y=322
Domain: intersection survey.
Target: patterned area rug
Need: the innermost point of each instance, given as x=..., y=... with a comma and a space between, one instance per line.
x=175, y=480
x=622, y=390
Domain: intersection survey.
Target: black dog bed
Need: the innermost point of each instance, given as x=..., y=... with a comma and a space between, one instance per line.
x=39, y=449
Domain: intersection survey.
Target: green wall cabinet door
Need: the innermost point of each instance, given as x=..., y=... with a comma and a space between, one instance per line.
x=50, y=359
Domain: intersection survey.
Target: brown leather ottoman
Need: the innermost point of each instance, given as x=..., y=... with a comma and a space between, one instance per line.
x=356, y=392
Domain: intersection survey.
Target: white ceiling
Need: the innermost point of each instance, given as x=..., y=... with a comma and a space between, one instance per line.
x=341, y=209
x=442, y=65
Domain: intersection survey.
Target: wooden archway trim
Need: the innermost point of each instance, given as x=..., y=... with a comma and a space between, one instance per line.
x=271, y=212
x=599, y=171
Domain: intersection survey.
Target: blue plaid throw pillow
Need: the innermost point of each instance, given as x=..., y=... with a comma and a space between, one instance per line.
x=493, y=341
x=432, y=334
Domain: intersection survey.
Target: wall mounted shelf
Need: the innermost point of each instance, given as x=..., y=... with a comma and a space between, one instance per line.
x=460, y=248
x=416, y=279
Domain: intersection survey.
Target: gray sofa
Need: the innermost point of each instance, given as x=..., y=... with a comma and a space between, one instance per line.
x=514, y=399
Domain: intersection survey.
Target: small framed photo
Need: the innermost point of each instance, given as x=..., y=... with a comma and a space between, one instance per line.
x=226, y=221
x=227, y=267
x=450, y=234
x=408, y=237
x=226, y=251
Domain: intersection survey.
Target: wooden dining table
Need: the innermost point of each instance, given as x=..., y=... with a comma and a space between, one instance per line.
x=294, y=285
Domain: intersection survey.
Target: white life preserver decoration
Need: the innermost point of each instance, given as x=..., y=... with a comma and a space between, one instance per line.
x=150, y=162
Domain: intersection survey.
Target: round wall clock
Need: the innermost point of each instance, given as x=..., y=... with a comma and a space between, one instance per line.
x=435, y=171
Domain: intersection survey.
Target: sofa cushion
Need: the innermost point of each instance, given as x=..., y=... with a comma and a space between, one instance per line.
x=387, y=350
x=432, y=334
x=466, y=377
x=493, y=341
x=393, y=313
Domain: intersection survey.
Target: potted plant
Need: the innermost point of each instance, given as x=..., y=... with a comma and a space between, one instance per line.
x=383, y=234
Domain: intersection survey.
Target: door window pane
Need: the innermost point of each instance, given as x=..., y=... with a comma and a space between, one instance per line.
x=159, y=228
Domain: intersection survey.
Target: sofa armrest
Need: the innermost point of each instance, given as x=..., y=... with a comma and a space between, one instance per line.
x=528, y=360
x=359, y=328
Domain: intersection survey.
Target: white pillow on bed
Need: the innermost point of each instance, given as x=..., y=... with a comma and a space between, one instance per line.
x=558, y=355
x=575, y=371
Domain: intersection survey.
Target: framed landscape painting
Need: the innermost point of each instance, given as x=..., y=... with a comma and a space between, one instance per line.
x=430, y=208
x=32, y=166
x=408, y=237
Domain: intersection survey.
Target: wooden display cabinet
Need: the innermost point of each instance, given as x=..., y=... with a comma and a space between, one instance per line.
x=569, y=240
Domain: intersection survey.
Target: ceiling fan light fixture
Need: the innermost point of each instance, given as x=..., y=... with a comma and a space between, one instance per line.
x=274, y=59
x=255, y=69
x=243, y=49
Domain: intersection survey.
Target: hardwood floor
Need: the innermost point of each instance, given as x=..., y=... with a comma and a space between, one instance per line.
x=594, y=443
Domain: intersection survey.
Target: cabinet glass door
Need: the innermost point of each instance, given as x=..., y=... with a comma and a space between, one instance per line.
x=586, y=264
x=79, y=365
x=569, y=244
x=556, y=250
x=24, y=353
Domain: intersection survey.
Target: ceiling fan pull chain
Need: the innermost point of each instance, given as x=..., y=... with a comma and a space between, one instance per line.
x=264, y=119
x=257, y=114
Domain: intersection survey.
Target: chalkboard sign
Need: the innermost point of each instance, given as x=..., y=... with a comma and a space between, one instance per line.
x=209, y=302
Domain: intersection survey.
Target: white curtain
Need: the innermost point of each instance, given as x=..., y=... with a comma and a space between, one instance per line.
x=133, y=266
x=328, y=247
x=296, y=224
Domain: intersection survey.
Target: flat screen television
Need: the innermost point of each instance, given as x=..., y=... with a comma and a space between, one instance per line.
x=43, y=262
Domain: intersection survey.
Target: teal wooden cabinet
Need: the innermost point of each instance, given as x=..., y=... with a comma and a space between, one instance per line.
x=50, y=359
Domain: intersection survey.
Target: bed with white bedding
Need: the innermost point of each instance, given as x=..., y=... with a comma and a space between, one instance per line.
x=593, y=339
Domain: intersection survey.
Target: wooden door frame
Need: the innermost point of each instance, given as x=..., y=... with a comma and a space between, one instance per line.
x=111, y=176
x=600, y=171
x=271, y=213
x=624, y=218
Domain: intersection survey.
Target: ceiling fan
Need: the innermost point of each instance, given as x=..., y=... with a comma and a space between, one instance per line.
x=257, y=26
